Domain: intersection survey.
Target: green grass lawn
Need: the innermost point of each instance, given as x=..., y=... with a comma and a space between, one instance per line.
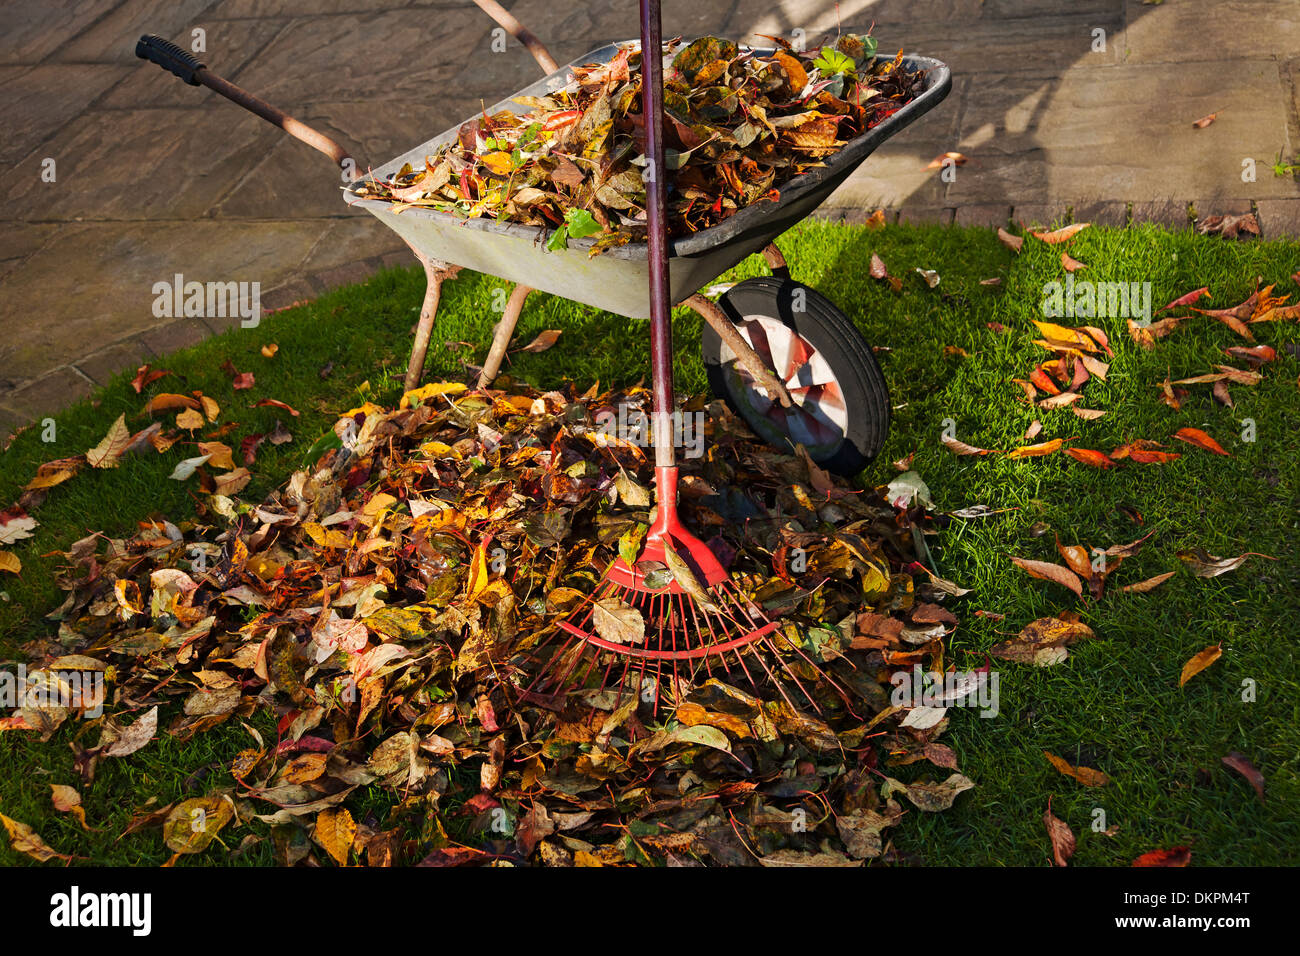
x=1114, y=705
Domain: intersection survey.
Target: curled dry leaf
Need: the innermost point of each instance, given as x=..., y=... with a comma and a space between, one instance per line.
x=1046, y=571
x=1060, y=835
x=1037, y=451
x=1194, y=436
x=1193, y=296
x=1205, y=121
x=961, y=448
x=1199, y=662
x=1064, y=234
x=27, y=841
x=1241, y=763
x=1043, y=642
x=1071, y=264
x=1085, y=775
x=1150, y=584
x=1012, y=242
x=1205, y=565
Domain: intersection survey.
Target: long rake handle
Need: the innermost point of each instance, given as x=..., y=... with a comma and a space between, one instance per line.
x=188, y=67
x=661, y=332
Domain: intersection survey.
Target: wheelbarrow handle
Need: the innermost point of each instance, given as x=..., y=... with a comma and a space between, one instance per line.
x=185, y=65
x=170, y=57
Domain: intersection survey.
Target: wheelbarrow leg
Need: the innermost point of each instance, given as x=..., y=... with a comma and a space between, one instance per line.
x=435, y=273
x=776, y=261
x=745, y=355
x=501, y=337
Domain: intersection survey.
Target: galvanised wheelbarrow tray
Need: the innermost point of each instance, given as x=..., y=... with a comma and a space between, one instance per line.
x=789, y=362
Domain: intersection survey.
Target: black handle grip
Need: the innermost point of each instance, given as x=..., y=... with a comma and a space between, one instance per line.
x=170, y=57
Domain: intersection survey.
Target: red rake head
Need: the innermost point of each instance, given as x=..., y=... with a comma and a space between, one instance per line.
x=691, y=629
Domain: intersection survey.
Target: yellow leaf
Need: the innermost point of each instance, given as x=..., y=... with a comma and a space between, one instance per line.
x=192, y=824
x=106, y=453
x=1199, y=662
x=417, y=395
x=335, y=831
x=26, y=840
x=190, y=419
x=478, y=572
x=9, y=562
x=221, y=455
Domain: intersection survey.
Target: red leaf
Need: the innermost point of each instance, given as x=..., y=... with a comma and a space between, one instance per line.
x=274, y=403
x=1177, y=856
x=1194, y=436
x=1088, y=456
x=1187, y=299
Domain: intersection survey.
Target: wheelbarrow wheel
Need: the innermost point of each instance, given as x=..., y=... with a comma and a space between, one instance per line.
x=841, y=404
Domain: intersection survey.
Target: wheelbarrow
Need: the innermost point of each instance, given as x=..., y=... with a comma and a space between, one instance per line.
x=783, y=356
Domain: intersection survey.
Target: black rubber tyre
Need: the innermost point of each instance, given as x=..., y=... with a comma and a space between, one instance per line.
x=860, y=399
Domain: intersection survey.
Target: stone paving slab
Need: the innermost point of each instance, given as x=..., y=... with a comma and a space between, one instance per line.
x=40, y=100
x=231, y=45
x=105, y=272
x=1077, y=136
x=139, y=164
x=1228, y=30
x=154, y=177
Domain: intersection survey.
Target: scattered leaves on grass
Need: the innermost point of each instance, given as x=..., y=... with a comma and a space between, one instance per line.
x=1150, y=584
x=1012, y=242
x=1064, y=234
x=1089, y=456
x=1206, y=565
x=1043, y=642
x=146, y=375
x=878, y=270
x=27, y=841
x=1187, y=299
x=1037, y=451
x=1194, y=436
x=110, y=448
x=1060, y=835
x=1229, y=227
x=543, y=341
x=1176, y=856
x=67, y=800
x=961, y=448
x=193, y=824
x=1199, y=662
x=1241, y=763
x=1085, y=775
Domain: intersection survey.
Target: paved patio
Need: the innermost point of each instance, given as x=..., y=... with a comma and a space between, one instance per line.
x=153, y=177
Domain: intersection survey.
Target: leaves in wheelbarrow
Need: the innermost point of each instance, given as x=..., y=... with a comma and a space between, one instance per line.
x=387, y=605
x=739, y=125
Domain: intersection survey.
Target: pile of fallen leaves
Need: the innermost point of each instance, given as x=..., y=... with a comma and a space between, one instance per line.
x=739, y=124
x=379, y=602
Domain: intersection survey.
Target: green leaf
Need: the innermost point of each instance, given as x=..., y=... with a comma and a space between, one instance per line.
x=581, y=223
x=559, y=239
x=832, y=61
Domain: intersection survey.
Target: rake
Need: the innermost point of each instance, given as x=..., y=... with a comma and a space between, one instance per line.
x=697, y=623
